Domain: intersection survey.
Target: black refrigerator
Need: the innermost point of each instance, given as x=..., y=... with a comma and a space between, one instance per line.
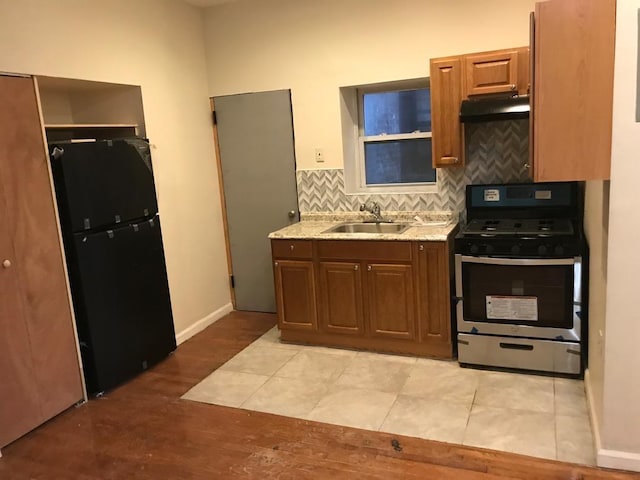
x=113, y=243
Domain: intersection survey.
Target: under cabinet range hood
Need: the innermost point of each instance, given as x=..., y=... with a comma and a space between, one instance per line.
x=492, y=108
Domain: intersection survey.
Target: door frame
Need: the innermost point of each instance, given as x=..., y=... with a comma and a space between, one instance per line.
x=223, y=203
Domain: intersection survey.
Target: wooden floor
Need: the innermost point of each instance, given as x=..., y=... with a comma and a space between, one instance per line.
x=144, y=431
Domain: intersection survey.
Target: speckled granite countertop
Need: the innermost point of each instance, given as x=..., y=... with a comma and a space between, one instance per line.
x=436, y=226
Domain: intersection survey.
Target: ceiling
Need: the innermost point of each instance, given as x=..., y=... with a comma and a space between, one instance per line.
x=206, y=3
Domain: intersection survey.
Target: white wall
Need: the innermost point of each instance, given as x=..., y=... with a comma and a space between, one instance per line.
x=620, y=433
x=315, y=47
x=158, y=45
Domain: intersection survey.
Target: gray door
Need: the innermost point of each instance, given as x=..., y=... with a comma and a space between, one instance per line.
x=255, y=136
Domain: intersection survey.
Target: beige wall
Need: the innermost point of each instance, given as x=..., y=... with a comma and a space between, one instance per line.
x=596, y=224
x=158, y=45
x=621, y=398
x=315, y=47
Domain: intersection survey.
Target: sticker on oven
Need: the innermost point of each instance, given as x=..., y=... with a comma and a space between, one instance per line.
x=492, y=195
x=512, y=308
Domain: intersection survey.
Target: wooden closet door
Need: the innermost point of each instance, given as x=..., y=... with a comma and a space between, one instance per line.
x=19, y=405
x=30, y=222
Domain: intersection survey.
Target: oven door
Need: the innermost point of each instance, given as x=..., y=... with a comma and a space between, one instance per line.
x=519, y=297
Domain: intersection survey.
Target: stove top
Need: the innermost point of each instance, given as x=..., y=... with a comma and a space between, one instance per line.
x=540, y=220
x=519, y=227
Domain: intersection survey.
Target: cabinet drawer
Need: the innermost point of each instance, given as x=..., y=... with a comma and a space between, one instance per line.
x=291, y=248
x=367, y=250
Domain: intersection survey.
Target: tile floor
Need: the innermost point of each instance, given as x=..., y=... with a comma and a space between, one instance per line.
x=432, y=399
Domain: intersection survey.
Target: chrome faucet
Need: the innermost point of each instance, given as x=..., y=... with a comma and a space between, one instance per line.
x=374, y=209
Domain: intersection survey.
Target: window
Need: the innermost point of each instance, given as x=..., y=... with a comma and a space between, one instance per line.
x=394, y=140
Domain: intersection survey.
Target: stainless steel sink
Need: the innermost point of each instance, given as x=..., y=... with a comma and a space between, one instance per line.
x=368, y=228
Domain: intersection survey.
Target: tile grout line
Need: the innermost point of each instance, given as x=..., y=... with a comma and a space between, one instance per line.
x=387, y=415
x=330, y=384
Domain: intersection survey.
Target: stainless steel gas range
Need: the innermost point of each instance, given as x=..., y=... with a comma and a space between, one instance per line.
x=520, y=278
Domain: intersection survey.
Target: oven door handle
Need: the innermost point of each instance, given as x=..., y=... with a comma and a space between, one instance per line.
x=518, y=261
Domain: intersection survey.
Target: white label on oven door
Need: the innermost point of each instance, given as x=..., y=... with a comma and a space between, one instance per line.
x=512, y=308
x=492, y=195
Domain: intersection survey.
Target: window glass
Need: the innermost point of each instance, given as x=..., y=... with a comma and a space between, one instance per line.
x=397, y=112
x=399, y=161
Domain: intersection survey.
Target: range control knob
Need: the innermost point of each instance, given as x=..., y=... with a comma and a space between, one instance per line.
x=515, y=249
x=542, y=249
x=488, y=249
x=474, y=249
x=559, y=250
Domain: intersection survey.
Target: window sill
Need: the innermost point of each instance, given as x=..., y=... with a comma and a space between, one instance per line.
x=392, y=190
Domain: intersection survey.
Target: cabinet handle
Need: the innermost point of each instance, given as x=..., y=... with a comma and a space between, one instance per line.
x=6, y=263
x=291, y=247
x=512, y=86
x=449, y=160
x=356, y=267
x=369, y=268
x=421, y=247
x=275, y=263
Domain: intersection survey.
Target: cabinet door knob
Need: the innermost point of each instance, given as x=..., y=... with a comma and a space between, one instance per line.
x=275, y=263
x=291, y=247
x=6, y=263
x=369, y=268
x=421, y=247
x=356, y=267
x=292, y=213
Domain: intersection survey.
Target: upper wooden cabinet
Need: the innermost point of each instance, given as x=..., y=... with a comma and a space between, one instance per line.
x=447, y=138
x=502, y=71
x=80, y=109
x=454, y=79
x=39, y=363
x=573, y=89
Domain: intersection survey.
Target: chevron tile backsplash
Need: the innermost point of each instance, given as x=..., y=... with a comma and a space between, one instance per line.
x=496, y=152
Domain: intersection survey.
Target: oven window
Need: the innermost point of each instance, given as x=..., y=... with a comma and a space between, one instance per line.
x=537, y=295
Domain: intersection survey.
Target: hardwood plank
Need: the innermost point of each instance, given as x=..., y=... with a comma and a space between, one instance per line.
x=143, y=430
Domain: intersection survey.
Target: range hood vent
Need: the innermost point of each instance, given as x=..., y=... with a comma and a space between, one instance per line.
x=487, y=109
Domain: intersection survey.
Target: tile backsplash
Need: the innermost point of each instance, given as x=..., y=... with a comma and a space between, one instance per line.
x=496, y=152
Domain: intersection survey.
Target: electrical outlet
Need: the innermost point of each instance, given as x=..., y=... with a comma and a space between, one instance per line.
x=319, y=154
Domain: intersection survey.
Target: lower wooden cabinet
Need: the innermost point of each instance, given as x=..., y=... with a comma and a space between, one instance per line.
x=385, y=296
x=340, y=292
x=433, y=266
x=295, y=294
x=391, y=302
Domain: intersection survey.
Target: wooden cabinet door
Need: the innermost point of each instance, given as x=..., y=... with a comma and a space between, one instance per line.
x=390, y=301
x=446, y=95
x=19, y=397
x=573, y=64
x=433, y=296
x=30, y=221
x=492, y=72
x=295, y=295
x=341, y=298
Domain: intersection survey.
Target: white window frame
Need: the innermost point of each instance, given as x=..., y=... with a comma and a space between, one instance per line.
x=360, y=140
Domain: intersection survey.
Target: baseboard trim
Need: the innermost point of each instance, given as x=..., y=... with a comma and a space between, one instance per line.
x=593, y=414
x=607, y=458
x=619, y=460
x=203, y=323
